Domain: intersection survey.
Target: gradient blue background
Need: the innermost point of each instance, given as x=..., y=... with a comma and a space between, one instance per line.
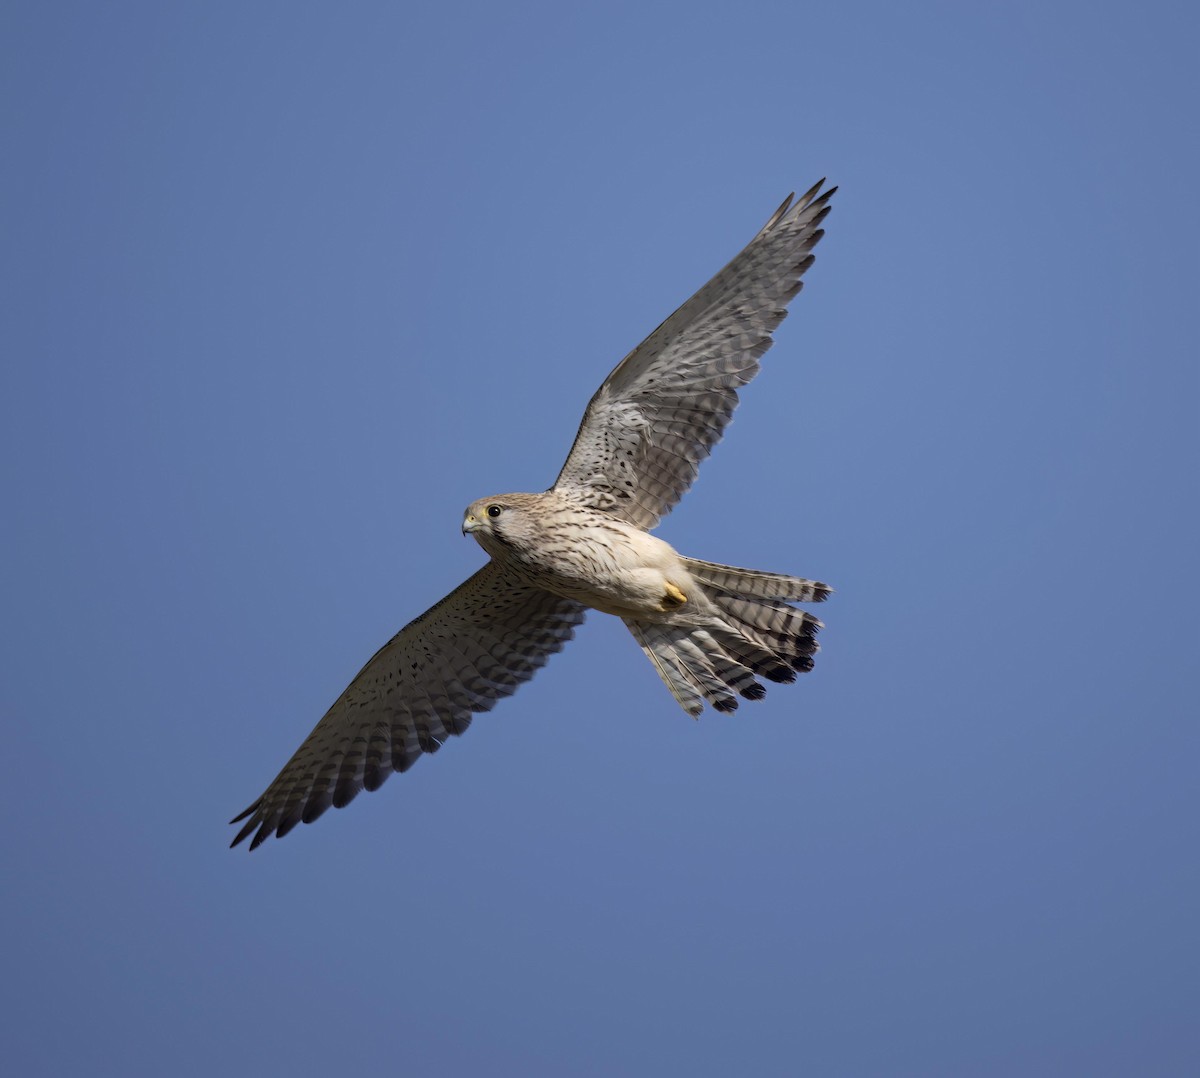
x=287, y=285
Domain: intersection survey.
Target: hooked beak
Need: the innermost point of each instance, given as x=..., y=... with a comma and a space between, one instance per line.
x=470, y=524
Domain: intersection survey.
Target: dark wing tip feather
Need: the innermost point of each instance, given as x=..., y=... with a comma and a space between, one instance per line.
x=283, y=827
x=793, y=207
x=315, y=809
x=807, y=197
x=244, y=832
x=822, y=200
x=242, y=815
x=778, y=215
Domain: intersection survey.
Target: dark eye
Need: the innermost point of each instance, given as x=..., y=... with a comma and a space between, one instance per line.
x=493, y=511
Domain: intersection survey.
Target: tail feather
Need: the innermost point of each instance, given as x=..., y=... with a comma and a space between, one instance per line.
x=698, y=663
x=752, y=584
x=754, y=655
x=780, y=629
x=657, y=641
x=745, y=629
x=729, y=668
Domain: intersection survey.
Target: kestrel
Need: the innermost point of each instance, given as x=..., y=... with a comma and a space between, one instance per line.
x=710, y=630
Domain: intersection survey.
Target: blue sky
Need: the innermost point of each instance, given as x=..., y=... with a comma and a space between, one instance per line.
x=288, y=285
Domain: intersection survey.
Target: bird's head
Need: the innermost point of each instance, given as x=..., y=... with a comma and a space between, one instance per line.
x=482, y=514
x=496, y=522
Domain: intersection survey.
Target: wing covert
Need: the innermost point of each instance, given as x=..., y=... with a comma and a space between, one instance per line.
x=476, y=646
x=666, y=404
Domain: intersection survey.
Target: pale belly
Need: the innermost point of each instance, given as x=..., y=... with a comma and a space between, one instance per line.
x=618, y=570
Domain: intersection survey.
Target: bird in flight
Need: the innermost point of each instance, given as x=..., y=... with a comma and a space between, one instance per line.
x=710, y=630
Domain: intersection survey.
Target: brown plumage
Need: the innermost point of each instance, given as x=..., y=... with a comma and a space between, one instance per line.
x=710, y=630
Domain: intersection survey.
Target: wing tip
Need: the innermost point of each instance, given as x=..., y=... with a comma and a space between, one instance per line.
x=815, y=200
x=244, y=833
x=778, y=215
x=246, y=812
x=810, y=194
x=812, y=199
x=256, y=822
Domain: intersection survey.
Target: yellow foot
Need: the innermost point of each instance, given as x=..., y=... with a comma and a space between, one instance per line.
x=673, y=598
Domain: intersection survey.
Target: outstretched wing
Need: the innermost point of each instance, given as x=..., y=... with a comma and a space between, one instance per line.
x=473, y=648
x=665, y=405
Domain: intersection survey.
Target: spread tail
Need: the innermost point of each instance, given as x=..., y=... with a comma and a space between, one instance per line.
x=750, y=631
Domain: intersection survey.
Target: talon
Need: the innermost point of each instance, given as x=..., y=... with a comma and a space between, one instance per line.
x=674, y=596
